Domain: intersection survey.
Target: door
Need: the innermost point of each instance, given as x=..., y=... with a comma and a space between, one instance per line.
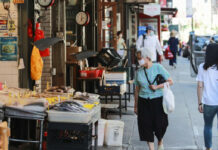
x=107, y=21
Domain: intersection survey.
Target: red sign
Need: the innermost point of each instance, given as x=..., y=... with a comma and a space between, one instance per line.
x=163, y=3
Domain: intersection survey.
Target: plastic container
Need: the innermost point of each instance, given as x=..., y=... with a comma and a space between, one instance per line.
x=70, y=117
x=114, y=133
x=101, y=131
x=83, y=73
x=93, y=73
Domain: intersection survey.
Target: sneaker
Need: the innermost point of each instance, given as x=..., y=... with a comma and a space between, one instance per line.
x=160, y=147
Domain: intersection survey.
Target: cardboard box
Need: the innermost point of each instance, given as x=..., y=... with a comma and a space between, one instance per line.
x=71, y=51
x=4, y=134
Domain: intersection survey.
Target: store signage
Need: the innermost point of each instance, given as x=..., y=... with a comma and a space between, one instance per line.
x=152, y=9
x=18, y=1
x=140, y=1
x=163, y=3
x=174, y=27
x=3, y=24
x=189, y=11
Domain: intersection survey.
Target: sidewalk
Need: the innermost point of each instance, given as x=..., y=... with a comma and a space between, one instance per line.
x=185, y=131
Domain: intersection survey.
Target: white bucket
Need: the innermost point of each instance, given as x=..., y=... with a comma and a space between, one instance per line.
x=114, y=133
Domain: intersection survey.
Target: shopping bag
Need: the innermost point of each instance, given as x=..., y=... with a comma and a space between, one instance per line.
x=168, y=53
x=168, y=99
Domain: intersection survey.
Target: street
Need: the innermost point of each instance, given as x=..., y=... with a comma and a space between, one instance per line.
x=185, y=131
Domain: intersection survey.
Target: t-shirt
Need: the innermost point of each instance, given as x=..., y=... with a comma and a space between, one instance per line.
x=210, y=79
x=142, y=82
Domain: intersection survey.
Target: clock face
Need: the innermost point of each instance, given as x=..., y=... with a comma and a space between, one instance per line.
x=45, y=3
x=81, y=18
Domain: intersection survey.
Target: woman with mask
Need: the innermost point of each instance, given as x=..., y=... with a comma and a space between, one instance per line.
x=152, y=121
x=151, y=42
x=207, y=91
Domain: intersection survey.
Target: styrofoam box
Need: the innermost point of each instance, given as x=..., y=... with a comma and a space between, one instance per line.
x=70, y=117
x=114, y=133
x=101, y=132
x=115, y=76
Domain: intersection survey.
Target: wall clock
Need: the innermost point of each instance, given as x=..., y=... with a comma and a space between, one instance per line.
x=46, y=3
x=82, y=18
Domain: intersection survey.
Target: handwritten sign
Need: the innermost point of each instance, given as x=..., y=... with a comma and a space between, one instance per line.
x=152, y=10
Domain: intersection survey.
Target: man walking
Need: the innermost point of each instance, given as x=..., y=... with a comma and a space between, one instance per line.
x=149, y=42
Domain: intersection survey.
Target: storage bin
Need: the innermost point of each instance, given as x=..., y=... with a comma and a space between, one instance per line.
x=114, y=133
x=89, y=73
x=69, y=136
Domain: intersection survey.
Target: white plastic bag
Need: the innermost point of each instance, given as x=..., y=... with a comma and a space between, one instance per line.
x=168, y=99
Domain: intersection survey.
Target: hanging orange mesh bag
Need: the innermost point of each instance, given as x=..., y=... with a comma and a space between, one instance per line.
x=36, y=64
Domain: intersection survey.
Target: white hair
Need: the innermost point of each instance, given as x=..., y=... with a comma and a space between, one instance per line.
x=147, y=53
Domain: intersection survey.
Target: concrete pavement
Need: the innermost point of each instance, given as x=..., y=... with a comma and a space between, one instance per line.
x=185, y=131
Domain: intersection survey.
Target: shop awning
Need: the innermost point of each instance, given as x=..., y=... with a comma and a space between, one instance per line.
x=169, y=11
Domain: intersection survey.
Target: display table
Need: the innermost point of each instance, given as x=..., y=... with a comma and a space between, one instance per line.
x=72, y=130
x=12, y=112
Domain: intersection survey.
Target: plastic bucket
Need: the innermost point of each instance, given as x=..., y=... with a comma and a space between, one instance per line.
x=114, y=133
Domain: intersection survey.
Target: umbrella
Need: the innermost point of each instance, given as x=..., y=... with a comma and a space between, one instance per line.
x=46, y=42
x=84, y=54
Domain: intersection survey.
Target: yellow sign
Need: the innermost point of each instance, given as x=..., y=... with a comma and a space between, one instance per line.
x=18, y=1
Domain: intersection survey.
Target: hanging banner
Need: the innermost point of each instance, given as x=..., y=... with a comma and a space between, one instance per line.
x=189, y=10
x=163, y=3
x=152, y=9
x=18, y=1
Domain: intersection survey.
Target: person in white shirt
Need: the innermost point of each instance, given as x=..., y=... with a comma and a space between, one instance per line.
x=207, y=91
x=150, y=42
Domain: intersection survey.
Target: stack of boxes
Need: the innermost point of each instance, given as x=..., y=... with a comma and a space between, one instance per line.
x=116, y=79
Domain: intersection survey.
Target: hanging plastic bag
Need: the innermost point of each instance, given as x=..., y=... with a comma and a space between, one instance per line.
x=36, y=64
x=39, y=34
x=168, y=54
x=168, y=99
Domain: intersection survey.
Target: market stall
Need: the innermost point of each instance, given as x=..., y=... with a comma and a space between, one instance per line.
x=58, y=109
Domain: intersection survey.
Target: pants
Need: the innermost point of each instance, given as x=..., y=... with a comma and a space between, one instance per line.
x=151, y=119
x=209, y=114
x=173, y=61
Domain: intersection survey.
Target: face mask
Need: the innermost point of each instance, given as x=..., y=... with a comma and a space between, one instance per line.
x=141, y=62
x=152, y=33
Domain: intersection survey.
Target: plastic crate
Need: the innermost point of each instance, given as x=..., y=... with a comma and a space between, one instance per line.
x=109, y=89
x=89, y=73
x=68, y=136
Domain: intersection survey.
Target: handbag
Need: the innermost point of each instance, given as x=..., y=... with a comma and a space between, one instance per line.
x=168, y=99
x=168, y=54
x=159, y=79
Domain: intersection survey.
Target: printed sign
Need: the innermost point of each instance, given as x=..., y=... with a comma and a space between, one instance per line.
x=8, y=48
x=18, y=1
x=152, y=9
x=189, y=11
x=3, y=24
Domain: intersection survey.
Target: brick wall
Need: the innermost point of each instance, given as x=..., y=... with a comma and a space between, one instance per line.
x=47, y=28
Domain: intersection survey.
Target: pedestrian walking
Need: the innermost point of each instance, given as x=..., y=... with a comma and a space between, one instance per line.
x=121, y=45
x=173, y=45
x=152, y=121
x=207, y=91
x=151, y=42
